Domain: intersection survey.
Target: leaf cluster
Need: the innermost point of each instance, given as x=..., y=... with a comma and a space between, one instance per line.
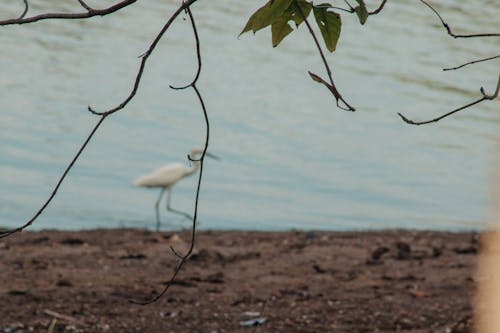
x=279, y=13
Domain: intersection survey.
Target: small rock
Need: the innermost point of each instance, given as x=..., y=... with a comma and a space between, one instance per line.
x=215, y=278
x=318, y=269
x=16, y=292
x=466, y=250
x=133, y=256
x=201, y=255
x=64, y=283
x=404, y=251
x=253, y=322
x=72, y=241
x=379, y=252
x=39, y=240
x=436, y=252
x=13, y=328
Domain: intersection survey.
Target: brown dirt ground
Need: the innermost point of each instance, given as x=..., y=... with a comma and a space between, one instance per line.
x=384, y=281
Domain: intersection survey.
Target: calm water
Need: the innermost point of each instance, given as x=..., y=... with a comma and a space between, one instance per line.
x=290, y=159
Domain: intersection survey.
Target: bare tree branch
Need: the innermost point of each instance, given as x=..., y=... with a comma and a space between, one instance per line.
x=25, y=11
x=379, y=9
x=198, y=56
x=145, y=57
x=89, y=13
x=84, y=5
x=182, y=259
x=56, y=188
x=343, y=9
x=484, y=98
x=352, y=10
x=484, y=95
x=470, y=63
x=331, y=86
x=451, y=33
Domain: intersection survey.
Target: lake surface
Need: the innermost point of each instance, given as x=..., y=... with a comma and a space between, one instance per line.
x=290, y=158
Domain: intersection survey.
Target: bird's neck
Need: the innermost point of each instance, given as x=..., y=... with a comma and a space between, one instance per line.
x=194, y=167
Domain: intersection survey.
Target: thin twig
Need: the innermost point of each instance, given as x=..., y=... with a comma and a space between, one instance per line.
x=350, y=7
x=144, y=57
x=25, y=11
x=198, y=53
x=350, y=10
x=60, y=181
x=484, y=98
x=448, y=29
x=183, y=258
x=57, y=315
x=470, y=63
x=331, y=86
x=69, y=16
x=84, y=5
x=174, y=251
x=379, y=9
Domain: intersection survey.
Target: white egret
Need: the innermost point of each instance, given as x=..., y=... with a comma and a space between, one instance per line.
x=167, y=176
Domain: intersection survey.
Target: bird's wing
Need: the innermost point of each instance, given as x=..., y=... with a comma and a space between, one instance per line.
x=162, y=177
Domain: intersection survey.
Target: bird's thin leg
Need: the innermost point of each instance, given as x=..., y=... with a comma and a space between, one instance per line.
x=170, y=209
x=157, y=208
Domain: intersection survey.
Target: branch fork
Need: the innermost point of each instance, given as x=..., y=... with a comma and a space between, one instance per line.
x=485, y=97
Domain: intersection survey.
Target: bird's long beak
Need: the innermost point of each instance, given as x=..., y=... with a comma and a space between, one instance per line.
x=217, y=158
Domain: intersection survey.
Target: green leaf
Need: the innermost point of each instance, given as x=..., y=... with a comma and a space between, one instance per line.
x=296, y=9
x=280, y=29
x=329, y=24
x=361, y=11
x=266, y=15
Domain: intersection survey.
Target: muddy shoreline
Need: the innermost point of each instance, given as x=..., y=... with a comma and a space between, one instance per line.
x=377, y=281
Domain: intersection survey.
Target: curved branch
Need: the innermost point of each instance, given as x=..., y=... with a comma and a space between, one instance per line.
x=379, y=9
x=69, y=16
x=56, y=188
x=198, y=56
x=25, y=11
x=183, y=258
x=451, y=33
x=470, y=63
x=331, y=86
x=185, y=5
x=484, y=98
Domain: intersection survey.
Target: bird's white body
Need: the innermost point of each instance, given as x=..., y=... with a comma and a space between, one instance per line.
x=167, y=175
